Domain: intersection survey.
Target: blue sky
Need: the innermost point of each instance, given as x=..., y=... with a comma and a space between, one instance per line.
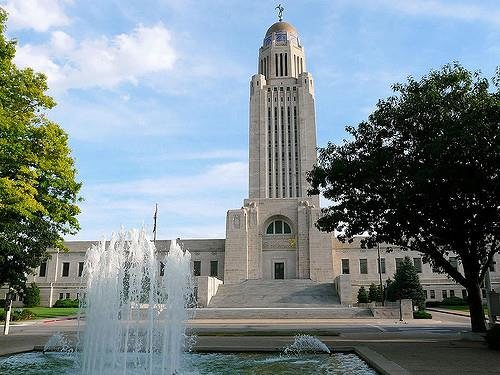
x=154, y=93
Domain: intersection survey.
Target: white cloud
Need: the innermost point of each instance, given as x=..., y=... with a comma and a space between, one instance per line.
x=102, y=62
x=39, y=15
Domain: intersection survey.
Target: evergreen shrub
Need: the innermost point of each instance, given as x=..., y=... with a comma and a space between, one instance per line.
x=362, y=295
x=68, y=302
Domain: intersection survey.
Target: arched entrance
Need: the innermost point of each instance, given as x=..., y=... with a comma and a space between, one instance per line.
x=279, y=255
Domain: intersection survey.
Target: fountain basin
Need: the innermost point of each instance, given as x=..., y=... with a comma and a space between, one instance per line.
x=201, y=363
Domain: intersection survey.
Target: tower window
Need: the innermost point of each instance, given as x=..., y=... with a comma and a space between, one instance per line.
x=278, y=227
x=281, y=65
x=286, y=65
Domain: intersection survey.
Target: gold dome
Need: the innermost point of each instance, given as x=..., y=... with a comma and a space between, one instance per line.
x=281, y=26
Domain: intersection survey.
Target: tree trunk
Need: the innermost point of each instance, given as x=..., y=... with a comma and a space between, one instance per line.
x=477, y=320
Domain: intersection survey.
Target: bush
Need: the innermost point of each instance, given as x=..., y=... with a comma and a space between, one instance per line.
x=421, y=314
x=454, y=301
x=374, y=293
x=493, y=337
x=362, y=295
x=18, y=314
x=22, y=314
x=68, y=302
x=432, y=304
x=32, y=296
x=2, y=303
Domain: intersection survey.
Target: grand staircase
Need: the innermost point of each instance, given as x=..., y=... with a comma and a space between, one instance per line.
x=278, y=299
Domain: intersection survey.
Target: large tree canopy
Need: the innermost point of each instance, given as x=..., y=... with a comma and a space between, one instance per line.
x=423, y=173
x=38, y=192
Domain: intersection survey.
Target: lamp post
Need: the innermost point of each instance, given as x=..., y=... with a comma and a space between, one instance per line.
x=8, y=309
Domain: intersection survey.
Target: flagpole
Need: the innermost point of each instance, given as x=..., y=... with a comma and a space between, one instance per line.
x=154, y=223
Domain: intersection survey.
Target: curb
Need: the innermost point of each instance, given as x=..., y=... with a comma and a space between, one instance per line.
x=59, y=320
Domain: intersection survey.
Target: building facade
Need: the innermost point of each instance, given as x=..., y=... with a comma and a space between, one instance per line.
x=273, y=236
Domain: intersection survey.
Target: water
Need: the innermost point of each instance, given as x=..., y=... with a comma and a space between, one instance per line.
x=306, y=344
x=58, y=342
x=36, y=363
x=135, y=317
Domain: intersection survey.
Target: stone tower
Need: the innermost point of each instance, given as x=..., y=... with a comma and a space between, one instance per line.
x=273, y=235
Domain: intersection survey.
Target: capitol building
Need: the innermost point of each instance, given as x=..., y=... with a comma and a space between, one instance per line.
x=272, y=246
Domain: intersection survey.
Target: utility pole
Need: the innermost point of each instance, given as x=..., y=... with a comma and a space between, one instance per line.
x=154, y=223
x=487, y=286
x=380, y=273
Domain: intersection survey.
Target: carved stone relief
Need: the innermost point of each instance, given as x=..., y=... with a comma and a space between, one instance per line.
x=236, y=221
x=284, y=242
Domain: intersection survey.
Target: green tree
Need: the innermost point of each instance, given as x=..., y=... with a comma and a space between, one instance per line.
x=422, y=174
x=38, y=191
x=362, y=295
x=32, y=296
x=390, y=294
x=406, y=284
x=374, y=293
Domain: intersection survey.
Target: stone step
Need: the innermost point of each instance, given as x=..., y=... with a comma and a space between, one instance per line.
x=283, y=313
x=292, y=293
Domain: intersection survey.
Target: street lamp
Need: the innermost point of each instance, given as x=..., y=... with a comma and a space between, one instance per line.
x=8, y=309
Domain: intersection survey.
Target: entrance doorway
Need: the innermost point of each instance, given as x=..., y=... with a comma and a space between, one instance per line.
x=279, y=271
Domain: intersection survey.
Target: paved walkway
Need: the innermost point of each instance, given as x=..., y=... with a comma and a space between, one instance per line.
x=418, y=347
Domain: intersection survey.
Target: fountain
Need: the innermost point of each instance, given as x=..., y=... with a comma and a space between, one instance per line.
x=58, y=343
x=306, y=344
x=135, y=316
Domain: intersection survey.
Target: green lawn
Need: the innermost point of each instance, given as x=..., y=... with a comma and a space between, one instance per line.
x=52, y=312
x=456, y=307
x=460, y=308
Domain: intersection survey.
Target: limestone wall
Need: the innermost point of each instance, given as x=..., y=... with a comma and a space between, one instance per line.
x=206, y=288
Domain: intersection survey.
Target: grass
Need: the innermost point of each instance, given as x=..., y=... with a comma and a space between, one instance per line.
x=455, y=307
x=53, y=312
x=463, y=308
